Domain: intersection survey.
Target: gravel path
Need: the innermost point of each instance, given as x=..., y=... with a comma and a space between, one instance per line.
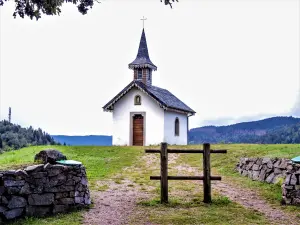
x=250, y=199
x=116, y=204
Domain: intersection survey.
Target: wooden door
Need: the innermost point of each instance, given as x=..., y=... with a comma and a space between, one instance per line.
x=138, y=130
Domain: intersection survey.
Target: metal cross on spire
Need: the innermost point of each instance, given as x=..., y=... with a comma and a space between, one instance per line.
x=143, y=19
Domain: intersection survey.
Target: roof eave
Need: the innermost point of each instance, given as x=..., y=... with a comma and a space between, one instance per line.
x=140, y=66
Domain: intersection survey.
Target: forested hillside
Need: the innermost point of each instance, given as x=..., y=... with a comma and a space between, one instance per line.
x=272, y=130
x=13, y=136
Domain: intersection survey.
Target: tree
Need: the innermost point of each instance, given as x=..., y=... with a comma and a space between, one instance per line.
x=35, y=8
x=1, y=145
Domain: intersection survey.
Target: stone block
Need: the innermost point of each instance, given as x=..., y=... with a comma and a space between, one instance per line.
x=266, y=160
x=255, y=175
x=270, y=178
x=14, y=183
x=283, y=164
x=55, y=170
x=287, y=179
x=17, y=202
x=259, y=161
x=3, y=209
x=249, y=166
x=277, y=163
x=70, y=182
x=49, y=156
x=66, y=201
x=35, y=168
x=25, y=190
x=270, y=165
x=255, y=167
x=41, y=199
x=277, y=171
x=2, y=190
x=293, y=180
x=4, y=200
x=84, y=181
x=39, y=174
x=59, y=195
x=60, y=209
x=13, y=213
x=38, y=211
x=13, y=190
x=79, y=200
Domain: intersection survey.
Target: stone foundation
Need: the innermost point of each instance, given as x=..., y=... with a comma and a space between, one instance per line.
x=42, y=190
x=281, y=171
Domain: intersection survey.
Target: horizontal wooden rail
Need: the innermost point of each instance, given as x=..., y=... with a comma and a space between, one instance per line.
x=184, y=151
x=185, y=178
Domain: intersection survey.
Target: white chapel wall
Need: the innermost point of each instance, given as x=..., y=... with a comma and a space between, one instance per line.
x=154, y=126
x=169, y=128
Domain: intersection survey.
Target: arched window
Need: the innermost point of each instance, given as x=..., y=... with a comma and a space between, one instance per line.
x=176, y=126
x=140, y=74
x=137, y=100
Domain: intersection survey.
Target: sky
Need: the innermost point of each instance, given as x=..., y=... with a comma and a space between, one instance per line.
x=229, y=60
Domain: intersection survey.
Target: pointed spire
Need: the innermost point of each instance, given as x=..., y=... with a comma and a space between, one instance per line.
x=142, y=59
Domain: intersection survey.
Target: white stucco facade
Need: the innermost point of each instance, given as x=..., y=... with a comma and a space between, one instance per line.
x=169, y=128
x=159, y=125
x=153, y=119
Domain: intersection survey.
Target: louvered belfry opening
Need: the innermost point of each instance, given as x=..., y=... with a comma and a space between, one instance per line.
x=138, y=130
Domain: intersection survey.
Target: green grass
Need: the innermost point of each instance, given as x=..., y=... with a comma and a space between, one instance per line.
x=74, y=218
x=224, y=164
x=185, y=205
x=100, y=163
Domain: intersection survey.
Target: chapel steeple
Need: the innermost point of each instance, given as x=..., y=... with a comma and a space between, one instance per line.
x=142, y=65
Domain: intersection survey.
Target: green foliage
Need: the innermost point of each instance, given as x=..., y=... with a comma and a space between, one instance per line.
x=13, y=136
x=35, y=8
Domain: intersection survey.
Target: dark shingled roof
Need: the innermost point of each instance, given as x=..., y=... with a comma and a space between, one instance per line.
x=142, y=59
x=165, y=98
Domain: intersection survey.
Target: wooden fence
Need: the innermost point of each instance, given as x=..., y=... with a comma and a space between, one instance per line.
x=164, y=169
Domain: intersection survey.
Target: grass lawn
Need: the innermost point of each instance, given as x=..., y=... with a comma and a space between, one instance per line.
x=223, y=164
x=105, y=162
x=100, y=163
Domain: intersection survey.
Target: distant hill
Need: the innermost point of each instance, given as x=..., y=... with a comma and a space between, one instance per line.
x=270, y=130
x=13, y=136
x=96, y=140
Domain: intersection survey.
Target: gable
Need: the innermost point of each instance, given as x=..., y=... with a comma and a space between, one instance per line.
x=127, y=102
x=162, y=97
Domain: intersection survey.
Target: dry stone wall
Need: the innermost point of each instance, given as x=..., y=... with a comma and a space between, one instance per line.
x=41, y=190
x=291, y=186
x=274, y=170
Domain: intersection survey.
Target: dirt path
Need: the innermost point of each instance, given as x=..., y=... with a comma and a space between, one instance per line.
x=247, y=198
x=250, y=199
x=116, y=204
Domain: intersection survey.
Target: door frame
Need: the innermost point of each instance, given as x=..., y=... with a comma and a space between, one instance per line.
x=131, y=127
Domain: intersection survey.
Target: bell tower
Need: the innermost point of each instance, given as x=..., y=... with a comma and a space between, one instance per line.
x=142, y=66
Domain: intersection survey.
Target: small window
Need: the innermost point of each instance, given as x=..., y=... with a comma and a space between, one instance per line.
x=137, y=100
x=140, y=74
x=176, y=126
x=150, y=74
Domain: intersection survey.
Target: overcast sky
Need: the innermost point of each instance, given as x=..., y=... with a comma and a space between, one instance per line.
x=229, y=60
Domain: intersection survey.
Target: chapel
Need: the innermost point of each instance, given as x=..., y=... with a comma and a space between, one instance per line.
x=144, y=114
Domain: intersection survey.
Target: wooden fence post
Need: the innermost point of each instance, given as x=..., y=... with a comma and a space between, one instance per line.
x=164, y=172
x=206, y=173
